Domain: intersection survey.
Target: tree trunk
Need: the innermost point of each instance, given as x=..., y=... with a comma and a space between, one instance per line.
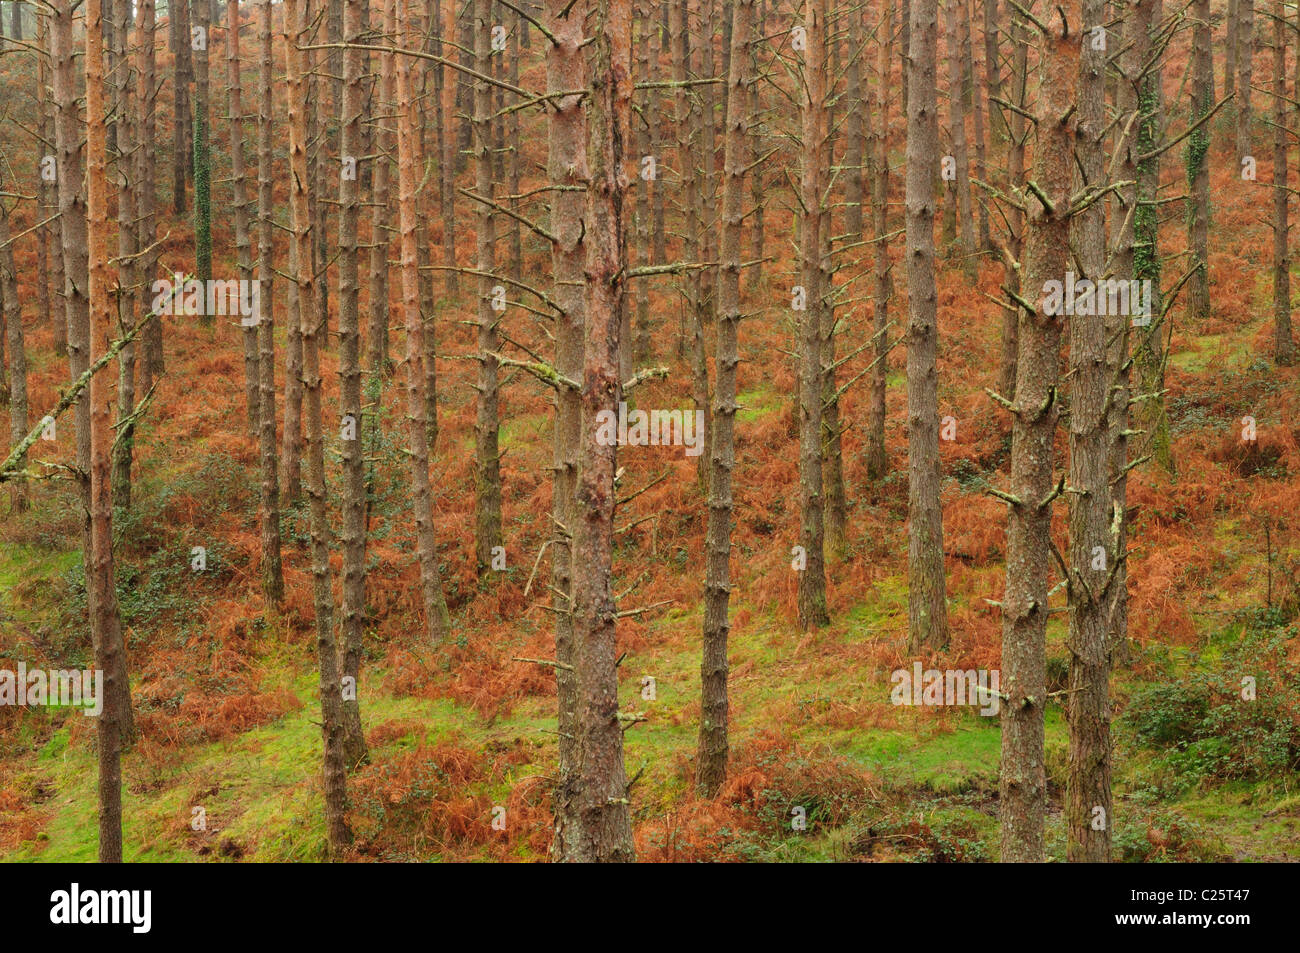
x=437, y=622
x=202, y=152
x=127, y=298
x=354, y=468
x=599, y=792
x=487, y=454
x=178, y=24
x=689, y=161
x=1198, y=166
x=1014, y=216
x=105, y=623
x=11, y=316
x=566, y=167
x=243, y=247
x=1023, y=783
x=1284, y=352
x=960, y=194
x=711, y=760
x=927, y=587
x=1149, y=353
x=298, y=21
x=1092, y=554
x=1118, y=365
x=1245, y=71
x=269, y=510
x=812, y=608
x=875, y=455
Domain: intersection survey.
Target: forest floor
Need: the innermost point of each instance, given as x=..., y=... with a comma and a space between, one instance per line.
x=225, y=694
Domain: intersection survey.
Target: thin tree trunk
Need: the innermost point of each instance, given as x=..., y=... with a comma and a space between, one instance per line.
x=354, y=468
x=11, y=316
x=448, y=164
x=1014, y=216
x=106, y=625
x=689, y=168
x=50, y=232
x=960, y=198
x=1092, y=555
x=812, y=608
x=437, y=622
x=146, y=164
x=377, y=332
x=1284, y=352
x=243, y=245
x=127, y=299
x=202, y=151
x=298, y=21
x=566, y=167
x=875, y=456
x=1245, y=71
x=1123, y=214
x=1149, y=356
x=269, y=510
x=927, y=587
x=1198, y=166
x=711, y=760
x=487, y=454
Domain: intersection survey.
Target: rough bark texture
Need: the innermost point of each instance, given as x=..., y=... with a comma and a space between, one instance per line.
x=202, y=10
x=269, y=494
x=1118, y=364
x=1245, y=72
x=959, y=189
x=1092, y=553
x=354, y=468
x=106, y=628
x=689, y=161
x=11, y=317
x=1149, y=352
x=243, y=242
x=812, y=181
x=711, y=759
x=487, y=453
x=566, y=166
x=437, y=622
x=598, y=789
x=298, y=20
x=874, y=453
x=927, y=591
x=1284, y=347
x=126, y=293
x=1198, y=166
x=1023, y=783
x=1015, y=217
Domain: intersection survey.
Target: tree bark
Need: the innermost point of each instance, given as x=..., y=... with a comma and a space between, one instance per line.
x=567, y=169
x=298, y=21
x=269, y=495
x=1092, y=554
x=1284, y=349
x=1198, y=167
x=927, y=588
x=1023, y=784
x=354, y=468
x=876, y=457
x=106, y=626
x=487, y=454
x=437, y=622
x=243, y=245
x=812, y=607
x=711, y=760
x=600, y=791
